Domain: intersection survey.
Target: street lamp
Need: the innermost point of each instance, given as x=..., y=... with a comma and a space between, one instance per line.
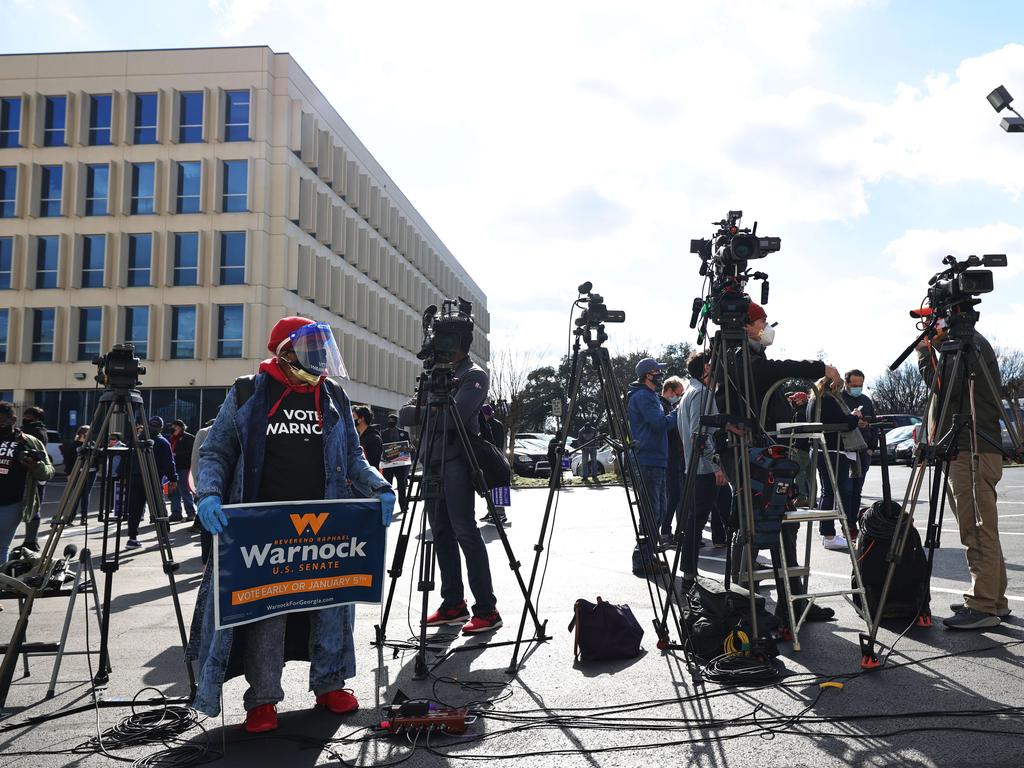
x=1000, y=99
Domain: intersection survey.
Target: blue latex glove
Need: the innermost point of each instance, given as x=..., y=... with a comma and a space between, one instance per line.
x=211, y=516
x=387, y=506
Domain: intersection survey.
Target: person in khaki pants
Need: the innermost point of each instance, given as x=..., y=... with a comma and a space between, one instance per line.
x=974, y=493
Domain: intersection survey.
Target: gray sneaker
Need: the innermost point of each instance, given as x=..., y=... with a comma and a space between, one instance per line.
x=1002, y=614
x=971, y=619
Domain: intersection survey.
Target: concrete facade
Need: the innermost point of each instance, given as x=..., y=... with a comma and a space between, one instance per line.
x=327, y=234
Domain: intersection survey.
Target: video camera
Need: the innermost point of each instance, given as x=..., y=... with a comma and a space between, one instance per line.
x=119, y=369
x=724, y=258
x=445, y=332
x=597, y=311
x=959, y=283
x=22, y=451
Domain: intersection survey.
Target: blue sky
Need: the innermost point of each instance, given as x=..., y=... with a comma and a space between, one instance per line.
x=551, y=143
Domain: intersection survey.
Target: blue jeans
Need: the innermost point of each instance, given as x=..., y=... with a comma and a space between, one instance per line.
x=654, y=482
x=10, y=517
x=588, y=462
x=857, y=483
x=179, y=495
x=674, y=478
x=828, y=493
x=453, y=527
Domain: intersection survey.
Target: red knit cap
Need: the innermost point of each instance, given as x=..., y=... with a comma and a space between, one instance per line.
x=284, y=328
x=754, y=313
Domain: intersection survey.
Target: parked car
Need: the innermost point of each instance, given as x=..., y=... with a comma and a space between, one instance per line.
x=904, y=453
x=892, y=439
x=901, y=419
x=531, y=456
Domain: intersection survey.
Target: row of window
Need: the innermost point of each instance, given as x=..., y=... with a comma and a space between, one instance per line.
x=140, y=190
x=98, y=118
x=135, y=330
x=93, y=263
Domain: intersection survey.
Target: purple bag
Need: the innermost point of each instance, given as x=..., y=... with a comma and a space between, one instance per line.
x=604, y=631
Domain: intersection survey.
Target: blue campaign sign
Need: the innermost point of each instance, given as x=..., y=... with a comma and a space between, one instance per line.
x=281, y=557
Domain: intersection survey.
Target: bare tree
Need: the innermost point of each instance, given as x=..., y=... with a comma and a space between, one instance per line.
x=1011, y=369
x=509, y=376
x=900, y=391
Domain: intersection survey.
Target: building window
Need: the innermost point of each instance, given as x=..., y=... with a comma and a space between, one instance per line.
x=54, y=118
x=93, y=257
x=236, y=117
x=90, y=320
x=10, y=123
x=186, y=258
x=47, y=255
x=42, y=335
x=236, y=186
x=190, y=110
x=4, y=325
x=229, y=330
x=8, y=192
x=145, y=118
x=140, y=259
x=142, y=188
x=189, y=175
x=99, y=120
x=97, y=188
x=51, y=183
x=6, y=262
x=183, y=333
x=232, y=258
x=136, y=329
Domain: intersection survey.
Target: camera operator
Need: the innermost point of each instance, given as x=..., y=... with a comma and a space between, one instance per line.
x=24, y=464
x=452, y=520
x=973, y=477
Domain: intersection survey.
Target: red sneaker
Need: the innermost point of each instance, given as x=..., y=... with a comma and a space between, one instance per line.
x=442, y=616
x=261, y=719
x=339, y=702
x=482, y=623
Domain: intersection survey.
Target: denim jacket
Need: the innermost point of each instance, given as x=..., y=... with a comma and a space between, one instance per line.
x=231, y=466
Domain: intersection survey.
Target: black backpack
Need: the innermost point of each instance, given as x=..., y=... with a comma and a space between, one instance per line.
x=909, y=594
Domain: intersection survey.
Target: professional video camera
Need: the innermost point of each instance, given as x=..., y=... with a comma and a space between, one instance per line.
x=444, y=331
x=22, y=451
x=119, y=369
x=724, y=257
x=597, y=311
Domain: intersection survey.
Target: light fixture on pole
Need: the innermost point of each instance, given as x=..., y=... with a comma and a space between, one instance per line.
x=1000, y=99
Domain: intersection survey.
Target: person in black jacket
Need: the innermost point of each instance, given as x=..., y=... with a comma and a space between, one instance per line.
x=369, y=437
x=393, y=434
x=136, y=490
x=854, y=398
x=835, y=412
x=181, y=445
x=32, y=424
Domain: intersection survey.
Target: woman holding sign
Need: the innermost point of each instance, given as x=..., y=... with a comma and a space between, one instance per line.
x=284, y=435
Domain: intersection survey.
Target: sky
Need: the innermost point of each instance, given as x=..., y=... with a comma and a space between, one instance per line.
x=550, y=143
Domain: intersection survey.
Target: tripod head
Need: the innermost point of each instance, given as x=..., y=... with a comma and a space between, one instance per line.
x=119, y=371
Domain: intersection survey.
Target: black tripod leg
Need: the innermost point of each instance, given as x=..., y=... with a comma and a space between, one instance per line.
x=426, y=586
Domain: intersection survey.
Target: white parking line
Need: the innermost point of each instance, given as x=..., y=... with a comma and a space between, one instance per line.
x=846, y=577
x=1001, y=533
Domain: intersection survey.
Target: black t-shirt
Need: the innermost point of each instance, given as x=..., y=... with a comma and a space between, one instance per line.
x=293, y=464
x=12, y=472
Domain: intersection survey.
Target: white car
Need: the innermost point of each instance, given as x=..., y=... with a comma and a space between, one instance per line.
x=53, y=448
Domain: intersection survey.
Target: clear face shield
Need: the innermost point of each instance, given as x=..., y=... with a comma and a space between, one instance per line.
x=316, y=353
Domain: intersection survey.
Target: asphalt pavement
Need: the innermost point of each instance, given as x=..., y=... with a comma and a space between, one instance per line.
x=934, y=704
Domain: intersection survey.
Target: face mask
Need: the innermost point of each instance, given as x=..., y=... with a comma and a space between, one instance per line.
x=657, y=379
x=767, y=336
x=674, y=399
x=856, y=391
x=304, y=376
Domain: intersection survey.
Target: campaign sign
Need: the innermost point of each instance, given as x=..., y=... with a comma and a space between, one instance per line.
x=396, y=455
x=282, y=557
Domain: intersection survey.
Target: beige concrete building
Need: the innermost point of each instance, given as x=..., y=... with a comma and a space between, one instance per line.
x=184, y=200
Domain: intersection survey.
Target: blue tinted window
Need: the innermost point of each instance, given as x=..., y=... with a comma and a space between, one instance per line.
x=50, y=186
x=93, y=256
x=47, y=259
x=53, y=125
x=183, y=333
x=236, y=118
x=186, y=258
x=136, y=329
x=4, y=324
x=190, y=112
x=232, y=258
x=140, y=259
x=229, y=330
x=189, y=175
x=10, y=123
x=6, y=262
x=90, y=320
x=42, y=335
x=97, y=187
x=142, y=188
x=145, y=118
x=236, y=186
x=8, y=192
x=99, y=120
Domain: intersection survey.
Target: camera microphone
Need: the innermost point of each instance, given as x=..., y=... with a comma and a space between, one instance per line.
x=698, y=305
x=586, y=287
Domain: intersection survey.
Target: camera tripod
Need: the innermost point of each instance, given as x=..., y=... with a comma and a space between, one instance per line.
x=951, y=391
x=591, y=330
x=118, y=406
x=435, y=395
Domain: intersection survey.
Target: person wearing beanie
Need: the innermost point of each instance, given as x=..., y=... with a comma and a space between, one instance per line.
x=300, y=425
